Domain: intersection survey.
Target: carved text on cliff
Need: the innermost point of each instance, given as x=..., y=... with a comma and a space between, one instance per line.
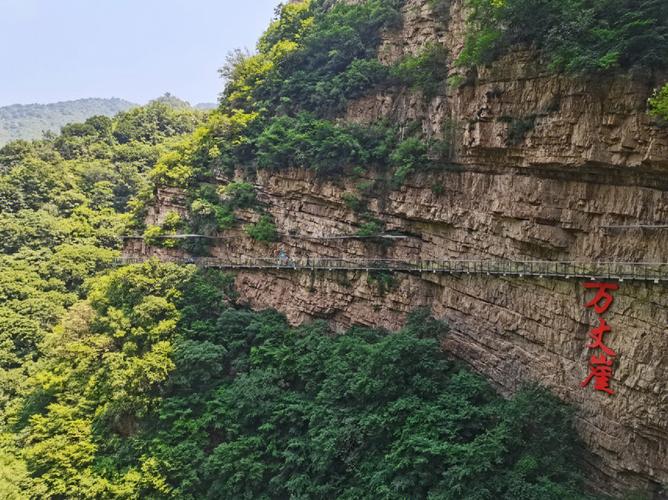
x=600, y=366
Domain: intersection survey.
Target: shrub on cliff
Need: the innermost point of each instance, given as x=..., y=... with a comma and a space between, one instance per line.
x=575, y=36
x=426, y=71
x=264, y=230
x=308, y=142
x=410, y=154
x=658, y=104
x=239, y=195
x=207, y=217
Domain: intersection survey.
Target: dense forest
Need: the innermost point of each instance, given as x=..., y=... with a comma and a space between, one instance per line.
x=33, y=121
x=150, y=381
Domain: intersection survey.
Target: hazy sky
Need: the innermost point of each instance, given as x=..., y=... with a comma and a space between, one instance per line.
x=55, y=50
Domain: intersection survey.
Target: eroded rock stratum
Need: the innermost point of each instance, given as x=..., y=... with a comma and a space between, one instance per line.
x=591, y=158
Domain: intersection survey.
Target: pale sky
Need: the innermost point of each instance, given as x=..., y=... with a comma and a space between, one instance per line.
x=57, y=50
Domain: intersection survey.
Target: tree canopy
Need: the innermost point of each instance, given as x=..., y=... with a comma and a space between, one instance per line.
x=157, y=386
x=582, y=36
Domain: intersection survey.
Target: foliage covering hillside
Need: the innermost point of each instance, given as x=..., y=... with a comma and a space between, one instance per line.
x=30, y=121
x=575, y=35
x=63, y=207
x=155, y=386
x=149, y=382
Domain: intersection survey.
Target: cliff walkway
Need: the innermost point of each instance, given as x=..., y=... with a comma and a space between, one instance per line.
x=616, y=271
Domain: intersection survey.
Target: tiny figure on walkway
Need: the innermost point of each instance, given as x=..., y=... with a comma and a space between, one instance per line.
x=282, y=257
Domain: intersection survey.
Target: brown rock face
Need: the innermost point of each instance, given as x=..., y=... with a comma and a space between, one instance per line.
x=541, y=165
x=512, y=330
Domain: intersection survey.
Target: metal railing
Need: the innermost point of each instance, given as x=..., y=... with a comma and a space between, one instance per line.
x=619, y=271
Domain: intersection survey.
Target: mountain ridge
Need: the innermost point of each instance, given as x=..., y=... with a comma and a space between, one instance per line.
x=30, y=121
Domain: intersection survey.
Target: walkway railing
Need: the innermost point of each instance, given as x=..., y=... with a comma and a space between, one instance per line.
x=620, y=271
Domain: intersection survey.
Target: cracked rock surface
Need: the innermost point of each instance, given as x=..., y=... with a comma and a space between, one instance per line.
x=590, y=159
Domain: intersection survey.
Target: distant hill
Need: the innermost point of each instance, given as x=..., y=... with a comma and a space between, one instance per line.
x=172, y=101
x=177, y=103
x=206, y=105
x=29, y=121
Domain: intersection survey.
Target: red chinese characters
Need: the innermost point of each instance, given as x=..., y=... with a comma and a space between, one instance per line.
x=603, y=299
x=597, y=335
x=600, y=367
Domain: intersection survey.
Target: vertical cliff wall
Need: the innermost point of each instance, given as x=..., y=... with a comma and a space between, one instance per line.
x=588, y=161
x=512, y=330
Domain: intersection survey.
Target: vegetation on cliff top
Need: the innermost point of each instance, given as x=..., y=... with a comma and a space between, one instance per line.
x=574, y=35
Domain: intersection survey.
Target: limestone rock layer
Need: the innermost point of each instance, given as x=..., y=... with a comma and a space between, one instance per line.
x=590, y=161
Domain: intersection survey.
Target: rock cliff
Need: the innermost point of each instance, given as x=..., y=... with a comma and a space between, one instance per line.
x=542, y=167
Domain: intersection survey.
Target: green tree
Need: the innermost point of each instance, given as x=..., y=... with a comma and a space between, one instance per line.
x=263, y=230
x=155, y=122
x=658, y=104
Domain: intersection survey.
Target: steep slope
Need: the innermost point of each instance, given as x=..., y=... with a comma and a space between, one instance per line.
x=541, y=167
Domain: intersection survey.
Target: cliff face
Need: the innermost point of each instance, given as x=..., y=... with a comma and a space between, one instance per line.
x=587, y=157
x=510, y=329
